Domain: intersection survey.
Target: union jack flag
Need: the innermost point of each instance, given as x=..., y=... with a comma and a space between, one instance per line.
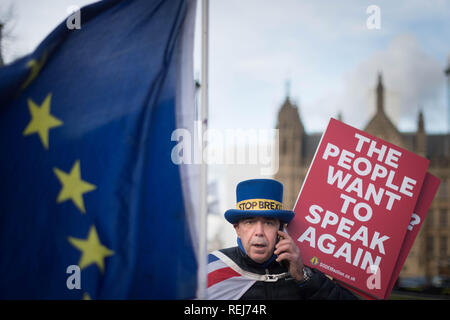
x=226, y=281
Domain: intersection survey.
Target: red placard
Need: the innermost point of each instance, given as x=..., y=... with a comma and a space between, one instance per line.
x=426, y=196
x=429, y=189
x=354, y=207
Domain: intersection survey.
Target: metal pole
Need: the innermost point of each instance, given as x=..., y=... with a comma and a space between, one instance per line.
x=447, y=136
x=202, y=277
x=447, y=74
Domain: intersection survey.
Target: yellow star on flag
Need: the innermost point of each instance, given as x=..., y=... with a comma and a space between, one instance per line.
x=73, y=187
x=35, y=67
x=86, y=296
x=41, y=120
x=92, y=251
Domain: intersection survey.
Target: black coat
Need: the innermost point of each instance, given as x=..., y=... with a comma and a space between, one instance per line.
x=318, y=287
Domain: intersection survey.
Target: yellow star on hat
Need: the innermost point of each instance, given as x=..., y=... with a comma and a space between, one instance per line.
x=92, y=251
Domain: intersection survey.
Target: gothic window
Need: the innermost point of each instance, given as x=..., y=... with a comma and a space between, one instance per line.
x=443, y=219
x=443, y=188
x=430, y=245
x=443, y=247
x=283, y=146
x=429, y=219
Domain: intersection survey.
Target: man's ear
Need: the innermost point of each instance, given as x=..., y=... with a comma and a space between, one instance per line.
x=236, y=228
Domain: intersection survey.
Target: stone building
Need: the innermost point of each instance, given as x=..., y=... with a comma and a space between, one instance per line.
x=430, y=255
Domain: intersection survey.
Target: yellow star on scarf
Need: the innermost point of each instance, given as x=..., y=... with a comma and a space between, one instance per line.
x=41, y=120
x=92, y=251
x=73, y=187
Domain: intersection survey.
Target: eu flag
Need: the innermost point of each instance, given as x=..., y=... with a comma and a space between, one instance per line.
x=91, y=205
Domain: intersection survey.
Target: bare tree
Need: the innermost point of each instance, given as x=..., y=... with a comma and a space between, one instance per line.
x=7, y=15
x=1, y=57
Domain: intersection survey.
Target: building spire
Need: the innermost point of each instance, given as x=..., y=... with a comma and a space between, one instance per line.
x=421, y=137
x=380, y=94
x=288, y=88
x=420, y=121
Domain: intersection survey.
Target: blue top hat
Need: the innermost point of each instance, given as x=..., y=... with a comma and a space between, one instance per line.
x=259, y=198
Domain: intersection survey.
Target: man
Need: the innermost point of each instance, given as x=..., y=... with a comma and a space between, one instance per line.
x=267, y=263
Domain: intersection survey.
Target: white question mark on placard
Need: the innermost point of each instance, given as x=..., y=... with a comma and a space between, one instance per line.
x=415, y=219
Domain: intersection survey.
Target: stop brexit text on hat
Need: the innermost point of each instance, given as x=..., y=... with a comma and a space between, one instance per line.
x=353, y=209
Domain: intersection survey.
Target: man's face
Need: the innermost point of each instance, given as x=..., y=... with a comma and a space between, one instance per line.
x=258, y=236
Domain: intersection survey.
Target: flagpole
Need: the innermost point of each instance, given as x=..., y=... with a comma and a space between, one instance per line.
x=201, y=288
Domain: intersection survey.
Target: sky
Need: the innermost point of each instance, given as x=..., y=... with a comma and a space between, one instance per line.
x=331, y=59
x=324, y=49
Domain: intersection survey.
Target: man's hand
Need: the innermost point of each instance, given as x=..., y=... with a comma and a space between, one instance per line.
x=286, y=250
